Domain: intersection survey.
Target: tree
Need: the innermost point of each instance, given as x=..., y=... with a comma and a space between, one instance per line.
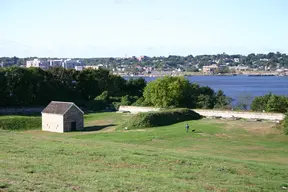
x=285, y=124
x=179, y=92
x=167, y=91
x=135, y=87
x=203, y=101
x=222, y=101
x=270, y=103
x=36, y=87
x=91, y=83
x=3, y=87
x=277, y=104
x=117, y=85
x=125, y=100
x=260, y=103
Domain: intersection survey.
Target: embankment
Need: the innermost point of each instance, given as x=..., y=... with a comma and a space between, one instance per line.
x=214, y=113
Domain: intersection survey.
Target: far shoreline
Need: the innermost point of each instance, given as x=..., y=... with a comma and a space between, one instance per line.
x=201, y=74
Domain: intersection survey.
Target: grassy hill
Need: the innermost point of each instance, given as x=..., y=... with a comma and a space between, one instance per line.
x=219, y=156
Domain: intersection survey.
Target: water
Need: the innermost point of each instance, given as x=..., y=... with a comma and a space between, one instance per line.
x=242, y=86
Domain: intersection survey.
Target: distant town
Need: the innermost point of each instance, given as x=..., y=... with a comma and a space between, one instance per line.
x=220, y=64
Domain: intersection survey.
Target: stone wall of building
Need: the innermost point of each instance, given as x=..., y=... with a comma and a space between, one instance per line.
x=73, y=115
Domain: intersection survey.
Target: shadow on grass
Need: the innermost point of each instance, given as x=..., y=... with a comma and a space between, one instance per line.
x=97, y=128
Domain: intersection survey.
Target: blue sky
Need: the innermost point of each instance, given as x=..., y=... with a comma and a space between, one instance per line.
x=115, y=28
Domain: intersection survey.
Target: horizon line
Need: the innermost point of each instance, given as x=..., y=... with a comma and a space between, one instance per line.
x=256, y=53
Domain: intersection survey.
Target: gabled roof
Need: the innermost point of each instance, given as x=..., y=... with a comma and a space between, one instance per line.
x=58, y=107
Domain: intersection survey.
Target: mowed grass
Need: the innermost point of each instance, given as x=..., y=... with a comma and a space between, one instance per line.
x=219, y=156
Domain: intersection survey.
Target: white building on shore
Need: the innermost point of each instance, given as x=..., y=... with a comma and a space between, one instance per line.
x=71, y=63
x=38, y=63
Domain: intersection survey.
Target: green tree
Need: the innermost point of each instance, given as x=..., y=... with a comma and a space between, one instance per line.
x=91, y=83
x=103, y=97
x=222, y=101
x=203, y=101
x=3, y=88
x=285, y=124
x=260, y=103
x=125, y=100
x=167, y=91
x=135, y=87
x=117, y=85
x=277, y=104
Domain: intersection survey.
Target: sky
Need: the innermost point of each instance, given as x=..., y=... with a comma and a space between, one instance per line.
x=119, y=28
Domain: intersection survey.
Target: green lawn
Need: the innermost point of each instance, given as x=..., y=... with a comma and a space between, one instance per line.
x=219, y=156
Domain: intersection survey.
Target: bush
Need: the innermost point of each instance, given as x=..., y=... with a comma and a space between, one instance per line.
x=285, y=125
x=116, y=105
x=161, y=118
x=125, y=100
x=20, y=123
x=140, y=102
x=270, y=103
x=103, y=97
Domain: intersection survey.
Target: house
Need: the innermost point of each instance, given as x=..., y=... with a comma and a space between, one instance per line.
x=62, y=117
x=38, y=63
x=70, y=63
x=55, y=63
x=210, y=69
x=239, y=68
x=79, y=68
x=8, y=62
x=236, y=60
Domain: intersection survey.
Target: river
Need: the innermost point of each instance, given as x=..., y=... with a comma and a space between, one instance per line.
x=241, y=86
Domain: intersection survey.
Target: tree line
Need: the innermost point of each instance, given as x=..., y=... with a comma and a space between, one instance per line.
x=36, y=87
x=99, y=89
x=270, y=103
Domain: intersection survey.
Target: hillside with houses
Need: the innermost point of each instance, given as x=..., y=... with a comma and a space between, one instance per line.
x=276, y=63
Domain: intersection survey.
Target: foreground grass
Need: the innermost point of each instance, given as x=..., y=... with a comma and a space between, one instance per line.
x=219, y=156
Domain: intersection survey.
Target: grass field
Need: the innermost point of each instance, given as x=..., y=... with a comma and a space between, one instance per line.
x=219, y=156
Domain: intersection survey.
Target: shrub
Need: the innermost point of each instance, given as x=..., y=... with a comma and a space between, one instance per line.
x=125, y=100
x=270, y=103
x=103, y=97
x=161, y=118
x=20, y=123
x=285, y=125
x=116, y=105
x=140, y=102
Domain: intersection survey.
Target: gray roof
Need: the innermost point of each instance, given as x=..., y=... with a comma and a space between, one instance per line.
x=58, y=107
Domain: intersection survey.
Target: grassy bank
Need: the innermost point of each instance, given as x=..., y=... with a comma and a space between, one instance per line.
x=219, y=156
x=161, y=118
x=18, y=123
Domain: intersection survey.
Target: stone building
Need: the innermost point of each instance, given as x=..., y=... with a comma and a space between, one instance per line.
x=62, y=117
